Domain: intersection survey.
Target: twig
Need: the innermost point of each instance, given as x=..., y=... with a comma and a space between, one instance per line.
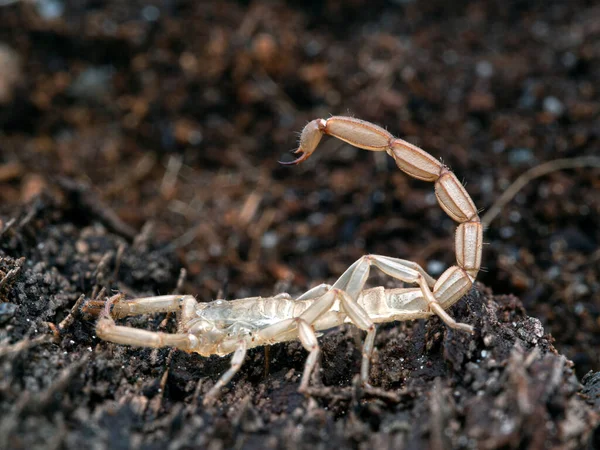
x=140, y=241
x=85, y=199
x=119, y=257
x=7, y=226
x=100, y=268
x=13, y=273
x=532, y=174
x=169, y=181
x=128, y=178
x=23, y=345
x=68, y=321
x=180, y=281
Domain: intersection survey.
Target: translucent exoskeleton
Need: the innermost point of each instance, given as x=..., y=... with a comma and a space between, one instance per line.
x=222, y=327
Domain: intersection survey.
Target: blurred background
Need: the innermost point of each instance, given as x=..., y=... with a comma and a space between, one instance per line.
x=172, y=115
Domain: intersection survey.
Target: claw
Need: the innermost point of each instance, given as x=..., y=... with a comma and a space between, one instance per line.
x=309, y=139
x=93, y=307
x=109, y=304
x=302, y=157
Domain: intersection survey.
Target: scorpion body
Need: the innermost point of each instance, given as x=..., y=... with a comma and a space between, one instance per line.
x=222, y=327
x=216, y=328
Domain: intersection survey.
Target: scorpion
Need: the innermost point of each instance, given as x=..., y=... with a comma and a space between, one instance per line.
x=223, y=327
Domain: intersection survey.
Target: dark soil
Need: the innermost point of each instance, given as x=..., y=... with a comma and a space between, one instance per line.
x=140, y=138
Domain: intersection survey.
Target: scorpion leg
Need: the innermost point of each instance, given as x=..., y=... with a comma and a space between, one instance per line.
x=353, y=281
x=322, y=305
x=306, y=332
x=361, y=319
x=236, y=363
x=309, y=341
x=307, y=337
x=312, y=313
x=316, y=292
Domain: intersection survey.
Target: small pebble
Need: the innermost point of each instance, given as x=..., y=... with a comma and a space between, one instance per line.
x=507, y=232
x=484, y=69
x=435, y=267
x=50, y=9
x=7, y=311
x=150, y=13
x=520, y=156
x=269, y=239
x=554, y=106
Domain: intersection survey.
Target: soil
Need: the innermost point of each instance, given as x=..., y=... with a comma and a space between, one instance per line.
x=138, y=139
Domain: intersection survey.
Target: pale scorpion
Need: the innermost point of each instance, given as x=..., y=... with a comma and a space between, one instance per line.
x=221, y=327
